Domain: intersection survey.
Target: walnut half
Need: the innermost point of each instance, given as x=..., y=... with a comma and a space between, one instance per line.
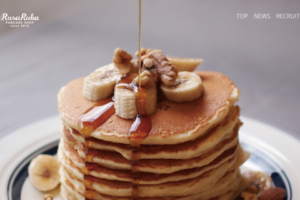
x=162, y=70
x=122, y=60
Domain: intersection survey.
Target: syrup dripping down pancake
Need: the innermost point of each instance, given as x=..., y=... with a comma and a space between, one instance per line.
x=227, y=183
x=147, y=178
x=117, y=161
x=185, y=150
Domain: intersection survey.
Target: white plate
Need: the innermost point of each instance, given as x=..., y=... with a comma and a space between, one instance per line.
x=272, y=151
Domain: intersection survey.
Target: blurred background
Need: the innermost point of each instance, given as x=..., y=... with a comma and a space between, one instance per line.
x=73, y=38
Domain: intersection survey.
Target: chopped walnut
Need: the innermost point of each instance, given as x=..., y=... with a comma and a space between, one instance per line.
x=145, y=77
x=251, y=189
x=165, y=71
x=122, y=60
x=48, y=197
x=134, y=66
x=259, y=179
x=158, y=50
x=144, y=51
x=148, y=63
x=249, y=196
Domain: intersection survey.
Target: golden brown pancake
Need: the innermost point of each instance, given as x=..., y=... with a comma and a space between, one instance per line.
x=69, y=165
x=184, y=150
x=117, y=161
x=209, y=178
x=146, y=178
x=68, y=137
x=221, y=188
x=181, y=122
x=71, y=153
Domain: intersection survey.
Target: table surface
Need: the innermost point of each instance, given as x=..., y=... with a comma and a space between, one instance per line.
x=261, y=56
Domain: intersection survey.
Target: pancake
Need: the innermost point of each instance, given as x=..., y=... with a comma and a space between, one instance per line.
x=149, y=178
x=223, y=188
x=152, y=179
x=77, y=184
x=69, y=165
x=71, y=153
x=181, y=122
x=178, y=188
x=185, y=150
x=66, y=194
x=117, y=161
x=199, y=185
x=68, y=191
x=67, y=136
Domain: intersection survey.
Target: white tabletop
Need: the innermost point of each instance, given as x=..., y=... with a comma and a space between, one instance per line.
x=72, y=39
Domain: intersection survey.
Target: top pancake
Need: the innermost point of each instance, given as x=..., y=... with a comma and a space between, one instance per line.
x=172, y=123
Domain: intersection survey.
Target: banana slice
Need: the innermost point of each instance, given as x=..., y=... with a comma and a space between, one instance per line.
x=44, y=172
x=185, y=64
x=100, y=83
x=188, y=87
x=125, y=97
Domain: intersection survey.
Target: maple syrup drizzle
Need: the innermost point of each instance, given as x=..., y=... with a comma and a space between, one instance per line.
x=95, y=117
x=140, y=37
x=142, y=125
x=138, y=131
x=126, y=79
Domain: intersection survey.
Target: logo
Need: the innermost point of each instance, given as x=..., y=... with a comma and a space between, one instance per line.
x=19, y=21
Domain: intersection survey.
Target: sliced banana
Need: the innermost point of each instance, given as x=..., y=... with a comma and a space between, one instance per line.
x=100, y=83
x=188, y=87
x=185, y=64
x=125, y=97
x=44, y=172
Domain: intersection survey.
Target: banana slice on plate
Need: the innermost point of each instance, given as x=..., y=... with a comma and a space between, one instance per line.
x=188, y=87
x=185, y=64
x=44, y=172
x=100, y=83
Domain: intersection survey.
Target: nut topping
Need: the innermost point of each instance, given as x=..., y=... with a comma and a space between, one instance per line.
x=122, y=60
x=145, y=78
x=273, y=194
x=259, y=179
x=144, y=52
x=249, y=196
x=148, y=63
x=166, y=72
x=134, y=66
x=251, y=189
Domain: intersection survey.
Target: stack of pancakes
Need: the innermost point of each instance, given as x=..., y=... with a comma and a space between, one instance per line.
x=192, y=151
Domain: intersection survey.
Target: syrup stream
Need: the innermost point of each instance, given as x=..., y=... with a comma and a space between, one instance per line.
x=142, y=125
x=140, y=37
